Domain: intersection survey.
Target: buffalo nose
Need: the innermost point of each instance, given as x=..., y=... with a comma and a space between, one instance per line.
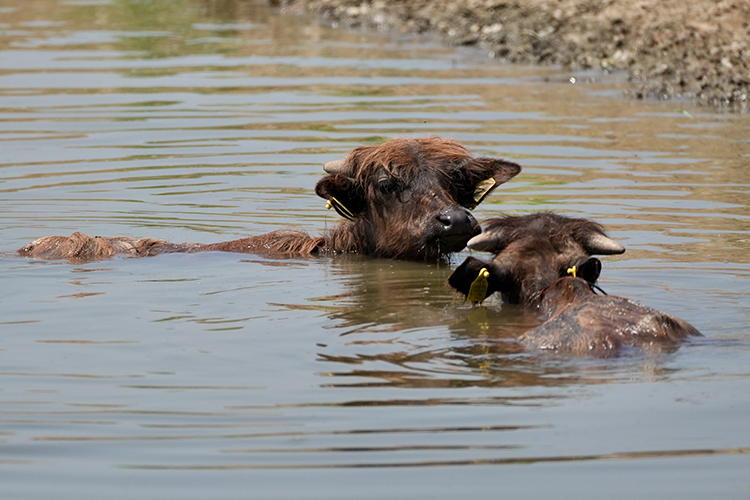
x=456, y=220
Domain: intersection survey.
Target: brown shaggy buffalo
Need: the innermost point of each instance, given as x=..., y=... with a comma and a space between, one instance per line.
x=543, y=262
x=405, y=199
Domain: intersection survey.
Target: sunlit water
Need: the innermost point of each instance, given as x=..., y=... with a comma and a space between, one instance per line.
x=236, y=376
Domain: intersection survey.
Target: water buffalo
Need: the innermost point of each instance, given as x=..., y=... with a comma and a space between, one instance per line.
x=543, y=262
x=405, y=199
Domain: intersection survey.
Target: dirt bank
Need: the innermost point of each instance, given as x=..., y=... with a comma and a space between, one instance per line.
x=698, y=49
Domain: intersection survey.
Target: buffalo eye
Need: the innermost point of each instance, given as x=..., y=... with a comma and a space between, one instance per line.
x=388, y=186
x=461, y=188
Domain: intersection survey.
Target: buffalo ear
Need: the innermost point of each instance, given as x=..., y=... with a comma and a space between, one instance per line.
x=465, y=274
x=487, y=174
x=589, y=270
x=341, y=191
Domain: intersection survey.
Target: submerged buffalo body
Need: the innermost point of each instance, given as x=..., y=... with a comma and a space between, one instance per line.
x=406, y=199
x=543, y=262
x=577, y=320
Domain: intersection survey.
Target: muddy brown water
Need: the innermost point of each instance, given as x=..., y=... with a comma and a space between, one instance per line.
x=237, y=376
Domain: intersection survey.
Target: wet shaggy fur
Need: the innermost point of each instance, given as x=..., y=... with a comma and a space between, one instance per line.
x=579, y=321
x=82, y=247
x=408, y=199
x=534, y=256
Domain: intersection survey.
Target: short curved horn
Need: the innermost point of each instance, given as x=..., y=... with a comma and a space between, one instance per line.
x=597, y=243
x=490, y=241
x=335, y=167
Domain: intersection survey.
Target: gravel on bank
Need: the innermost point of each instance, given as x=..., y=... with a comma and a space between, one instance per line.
x=697, y=49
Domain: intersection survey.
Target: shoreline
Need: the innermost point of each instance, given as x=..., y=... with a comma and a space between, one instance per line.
x=669, y=48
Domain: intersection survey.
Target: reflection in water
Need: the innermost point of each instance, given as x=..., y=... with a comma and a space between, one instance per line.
x=445, y=463
x=209, y=120
x=396, y=317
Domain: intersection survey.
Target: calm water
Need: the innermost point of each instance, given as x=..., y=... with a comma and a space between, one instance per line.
x=234, y=376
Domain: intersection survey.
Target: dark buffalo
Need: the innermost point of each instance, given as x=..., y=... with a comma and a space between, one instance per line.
x=543, y=262
x=405, y=199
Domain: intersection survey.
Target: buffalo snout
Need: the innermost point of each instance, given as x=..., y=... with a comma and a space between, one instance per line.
x=457, y=221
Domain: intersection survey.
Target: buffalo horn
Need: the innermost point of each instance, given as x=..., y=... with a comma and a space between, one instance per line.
x=486, y=242
x=599, y=244
x=335, y=167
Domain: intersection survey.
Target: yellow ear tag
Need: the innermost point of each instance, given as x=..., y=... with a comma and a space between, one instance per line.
x=478, y=288
x=572, y=271
x=483, y=188
x=340, y=209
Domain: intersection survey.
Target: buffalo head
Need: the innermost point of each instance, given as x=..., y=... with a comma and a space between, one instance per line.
x=409, y=198
x=532, y=252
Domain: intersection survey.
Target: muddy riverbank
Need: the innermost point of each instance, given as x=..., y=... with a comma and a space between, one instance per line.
x=698, y=50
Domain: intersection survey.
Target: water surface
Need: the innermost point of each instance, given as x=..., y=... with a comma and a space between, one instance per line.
x=240, y=376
